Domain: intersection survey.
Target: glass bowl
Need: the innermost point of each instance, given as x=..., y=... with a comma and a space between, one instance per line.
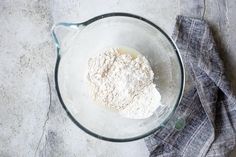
x=83, y=41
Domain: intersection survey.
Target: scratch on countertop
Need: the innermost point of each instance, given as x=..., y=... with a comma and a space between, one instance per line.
x=204, y=9
x=217, y=2
x=178, y=2
x=47, y=116
x=227, y=24
x=45, y=145
x=227, y=15
x=223, y=20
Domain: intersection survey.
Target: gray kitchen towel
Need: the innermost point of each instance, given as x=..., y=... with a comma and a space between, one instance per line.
x=208, y=105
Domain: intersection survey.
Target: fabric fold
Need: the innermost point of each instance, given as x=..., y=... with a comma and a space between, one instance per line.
x=209, y=104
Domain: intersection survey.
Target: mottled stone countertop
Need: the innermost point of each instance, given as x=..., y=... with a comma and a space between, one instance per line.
x=32, y=121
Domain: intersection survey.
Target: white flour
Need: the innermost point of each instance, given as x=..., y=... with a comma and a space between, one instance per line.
x=123, y=83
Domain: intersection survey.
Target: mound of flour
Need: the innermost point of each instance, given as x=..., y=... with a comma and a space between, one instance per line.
x=123, y=83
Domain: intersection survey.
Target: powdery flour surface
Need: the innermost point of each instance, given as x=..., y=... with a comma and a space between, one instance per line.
x=123, y=83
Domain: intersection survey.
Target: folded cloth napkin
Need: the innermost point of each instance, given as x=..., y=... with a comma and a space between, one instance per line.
x=208, y=105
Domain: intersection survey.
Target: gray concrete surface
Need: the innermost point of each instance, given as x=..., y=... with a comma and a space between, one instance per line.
x=32, y=121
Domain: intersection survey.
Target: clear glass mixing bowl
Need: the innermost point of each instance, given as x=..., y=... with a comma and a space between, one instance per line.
x=113, y=30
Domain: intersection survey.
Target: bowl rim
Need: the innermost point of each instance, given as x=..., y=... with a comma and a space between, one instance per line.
x=115, y=14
